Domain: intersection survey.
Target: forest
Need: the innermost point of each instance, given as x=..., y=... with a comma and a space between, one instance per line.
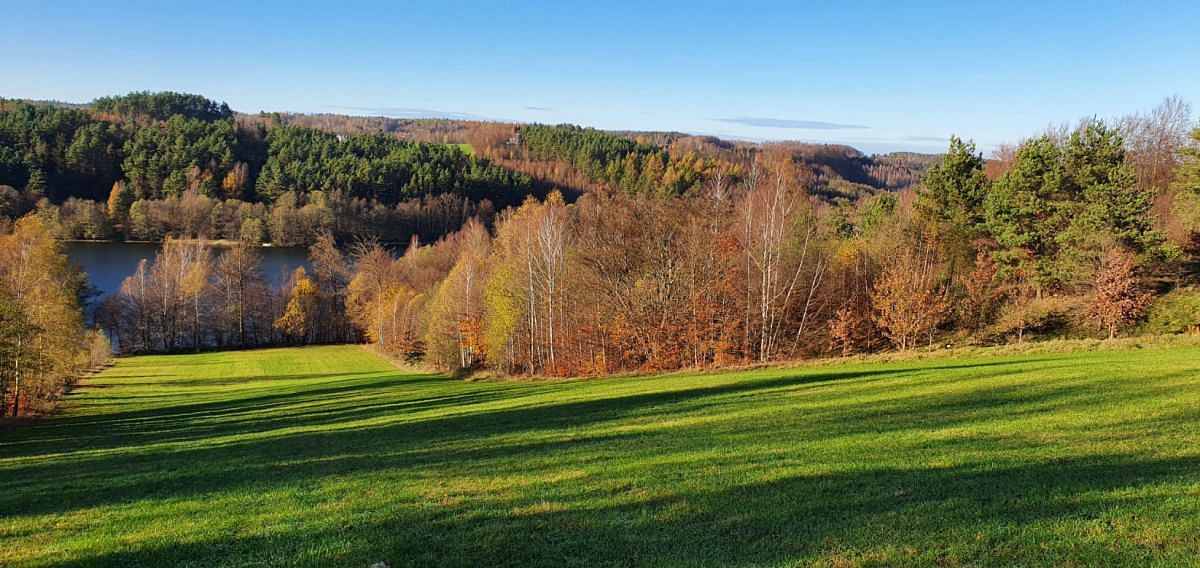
x=148, y=165
x=1062, y=239
x=560, y=251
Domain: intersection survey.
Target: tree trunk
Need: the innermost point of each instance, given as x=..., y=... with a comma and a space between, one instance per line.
x=17, y=378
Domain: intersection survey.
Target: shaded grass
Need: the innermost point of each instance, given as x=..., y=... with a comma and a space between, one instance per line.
x=328, y=456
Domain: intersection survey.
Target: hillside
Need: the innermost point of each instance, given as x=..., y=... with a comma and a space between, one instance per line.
x=81, y=149
x=144, y=166
x=329, y=456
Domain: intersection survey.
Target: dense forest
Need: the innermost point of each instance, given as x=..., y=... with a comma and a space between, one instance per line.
x=566, y=251
x=1062, y=241
x=577, y=160
x=148, y=165
x=749, y=267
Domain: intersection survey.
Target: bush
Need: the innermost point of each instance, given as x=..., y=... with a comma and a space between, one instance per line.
x=1176, y=312
x=1020, y=321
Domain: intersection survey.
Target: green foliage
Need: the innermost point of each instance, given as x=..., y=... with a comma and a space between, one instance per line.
x=1188, y=177
x=1175, y=312
x=1187, y=183
x=162, y=145
x=381, y=167
x=1061, y=204
x=59, y=151
x=863, y=219
x=163, y=106
x=329, y=456
x=170, y=157
x=1108, y=186
x=1028, y=208
x=952, y=196
x=874, y=212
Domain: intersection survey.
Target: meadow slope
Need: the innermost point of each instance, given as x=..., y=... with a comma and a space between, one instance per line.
x=329, y=456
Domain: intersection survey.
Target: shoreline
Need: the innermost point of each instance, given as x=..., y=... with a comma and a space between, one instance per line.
x=224, y=243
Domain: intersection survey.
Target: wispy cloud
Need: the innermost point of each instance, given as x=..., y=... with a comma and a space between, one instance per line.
x=925, y=139
x=408, y=112
x=768, y=122
x=538, y=108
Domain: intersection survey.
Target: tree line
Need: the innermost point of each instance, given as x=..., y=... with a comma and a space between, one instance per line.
x=120, y=157
x=110, y=167
x=578, y=160
x=196, y=296
x=1060, y=237
x=292, y=219
x=1074, y=232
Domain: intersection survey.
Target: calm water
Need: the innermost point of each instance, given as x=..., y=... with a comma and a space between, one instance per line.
x=108, y=264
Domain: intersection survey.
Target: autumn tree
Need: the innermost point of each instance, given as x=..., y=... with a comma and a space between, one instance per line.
x=234, y=184
x=1153, y=139
x=330, y=276
x=369, y=293
x=527, y=292
x=1120, y=297
x=783, y=263
x=908, y=304
x=848, y=325
x=983, y=294
x=16, y=351
x=178, y=277
x=42, y=341
x=299, y=317
x=455, y=312
x=119, y=201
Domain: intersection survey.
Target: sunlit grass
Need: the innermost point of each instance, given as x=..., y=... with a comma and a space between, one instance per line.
x=464, y=148
x=329, y=456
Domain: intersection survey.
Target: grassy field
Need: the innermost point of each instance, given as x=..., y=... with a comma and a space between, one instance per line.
x=328, y=456
x=464, y=148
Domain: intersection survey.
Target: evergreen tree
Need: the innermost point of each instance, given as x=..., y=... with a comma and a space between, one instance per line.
x=952, y=197
x=1026, y=211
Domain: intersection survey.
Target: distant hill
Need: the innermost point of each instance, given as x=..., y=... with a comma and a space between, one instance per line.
x=832, y=170
x=565, y=157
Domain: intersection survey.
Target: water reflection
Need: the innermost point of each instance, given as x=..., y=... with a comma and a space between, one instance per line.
x=108, y=264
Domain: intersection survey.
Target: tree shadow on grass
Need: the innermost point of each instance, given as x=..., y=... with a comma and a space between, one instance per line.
x=263, y=412
x=920, y=516
x=310, y=434
x=313, y=442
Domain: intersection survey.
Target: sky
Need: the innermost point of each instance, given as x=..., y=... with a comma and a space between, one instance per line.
x=879, y=76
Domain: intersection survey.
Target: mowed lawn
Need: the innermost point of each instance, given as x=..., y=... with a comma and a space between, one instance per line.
x=329, y=456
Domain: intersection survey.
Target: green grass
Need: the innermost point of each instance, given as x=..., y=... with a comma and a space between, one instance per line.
x=464, y=148
x=328, y=456
x=1178, y=310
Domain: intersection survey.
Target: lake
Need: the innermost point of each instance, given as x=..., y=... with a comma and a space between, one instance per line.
x=108, y=264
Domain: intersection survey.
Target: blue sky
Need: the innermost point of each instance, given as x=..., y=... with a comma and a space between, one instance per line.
x=876, y=75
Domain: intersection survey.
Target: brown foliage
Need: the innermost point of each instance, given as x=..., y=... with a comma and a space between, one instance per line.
x=908, y=304
x=1120, y=297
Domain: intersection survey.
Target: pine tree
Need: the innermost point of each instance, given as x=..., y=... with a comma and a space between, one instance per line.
x=120, y=198
x=952, y=196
